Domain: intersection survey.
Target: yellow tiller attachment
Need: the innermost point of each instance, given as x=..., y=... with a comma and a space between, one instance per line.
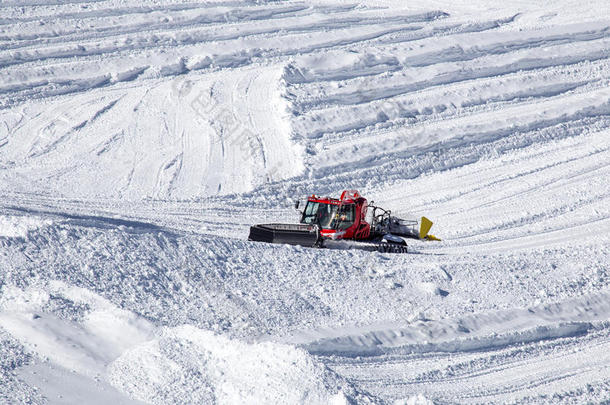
x=424, y=227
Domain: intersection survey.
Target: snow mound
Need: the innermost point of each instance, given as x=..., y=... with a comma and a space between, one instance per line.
x=97, y=346
x=71, y=326
x=418, y=399
x=190, y=365
x=19, y=226
x=431, y=288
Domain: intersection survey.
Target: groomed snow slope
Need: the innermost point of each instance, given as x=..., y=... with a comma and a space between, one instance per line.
x=139, y=140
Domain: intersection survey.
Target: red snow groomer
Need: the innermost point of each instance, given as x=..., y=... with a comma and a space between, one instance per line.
x=345, y=223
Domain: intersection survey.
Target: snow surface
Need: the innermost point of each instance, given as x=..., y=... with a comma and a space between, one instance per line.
x=140, y=140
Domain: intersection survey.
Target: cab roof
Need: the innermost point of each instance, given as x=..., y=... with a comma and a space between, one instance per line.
x=347, y=197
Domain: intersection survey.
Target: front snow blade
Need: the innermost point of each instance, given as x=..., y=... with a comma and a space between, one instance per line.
x=291, y=234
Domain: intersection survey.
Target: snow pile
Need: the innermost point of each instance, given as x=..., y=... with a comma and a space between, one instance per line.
x=71, y=326
x=189, y=365
x=18, y=226
x=418, y=399
x=430, y=288
x=98, y=344
x=13, y=356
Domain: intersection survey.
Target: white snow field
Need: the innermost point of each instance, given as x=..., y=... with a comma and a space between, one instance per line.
x=139, y=140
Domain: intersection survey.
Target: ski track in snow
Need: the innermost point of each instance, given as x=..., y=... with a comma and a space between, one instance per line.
x=140, y=140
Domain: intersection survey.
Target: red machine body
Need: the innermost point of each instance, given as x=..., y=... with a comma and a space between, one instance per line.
x=343, y=218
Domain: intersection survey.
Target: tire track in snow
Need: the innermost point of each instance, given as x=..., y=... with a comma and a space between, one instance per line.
x=447, y=134
x=425, y=105
x=450, y=74
x=148, y=38
x=246, y=25
x=100, y=14
x=471, y=371
x=46, y=87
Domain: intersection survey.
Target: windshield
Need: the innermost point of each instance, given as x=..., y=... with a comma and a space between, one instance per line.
x=329, y=216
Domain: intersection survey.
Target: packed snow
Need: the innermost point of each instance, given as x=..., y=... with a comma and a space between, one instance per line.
x=139, y=140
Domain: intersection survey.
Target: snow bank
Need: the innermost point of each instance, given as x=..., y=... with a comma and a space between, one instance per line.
x=473, y=332
x=189, y=365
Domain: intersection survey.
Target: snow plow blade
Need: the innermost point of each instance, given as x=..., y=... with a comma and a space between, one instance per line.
x=291, y=234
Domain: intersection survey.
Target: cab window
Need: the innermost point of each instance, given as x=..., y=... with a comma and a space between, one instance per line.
x=345, y=216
